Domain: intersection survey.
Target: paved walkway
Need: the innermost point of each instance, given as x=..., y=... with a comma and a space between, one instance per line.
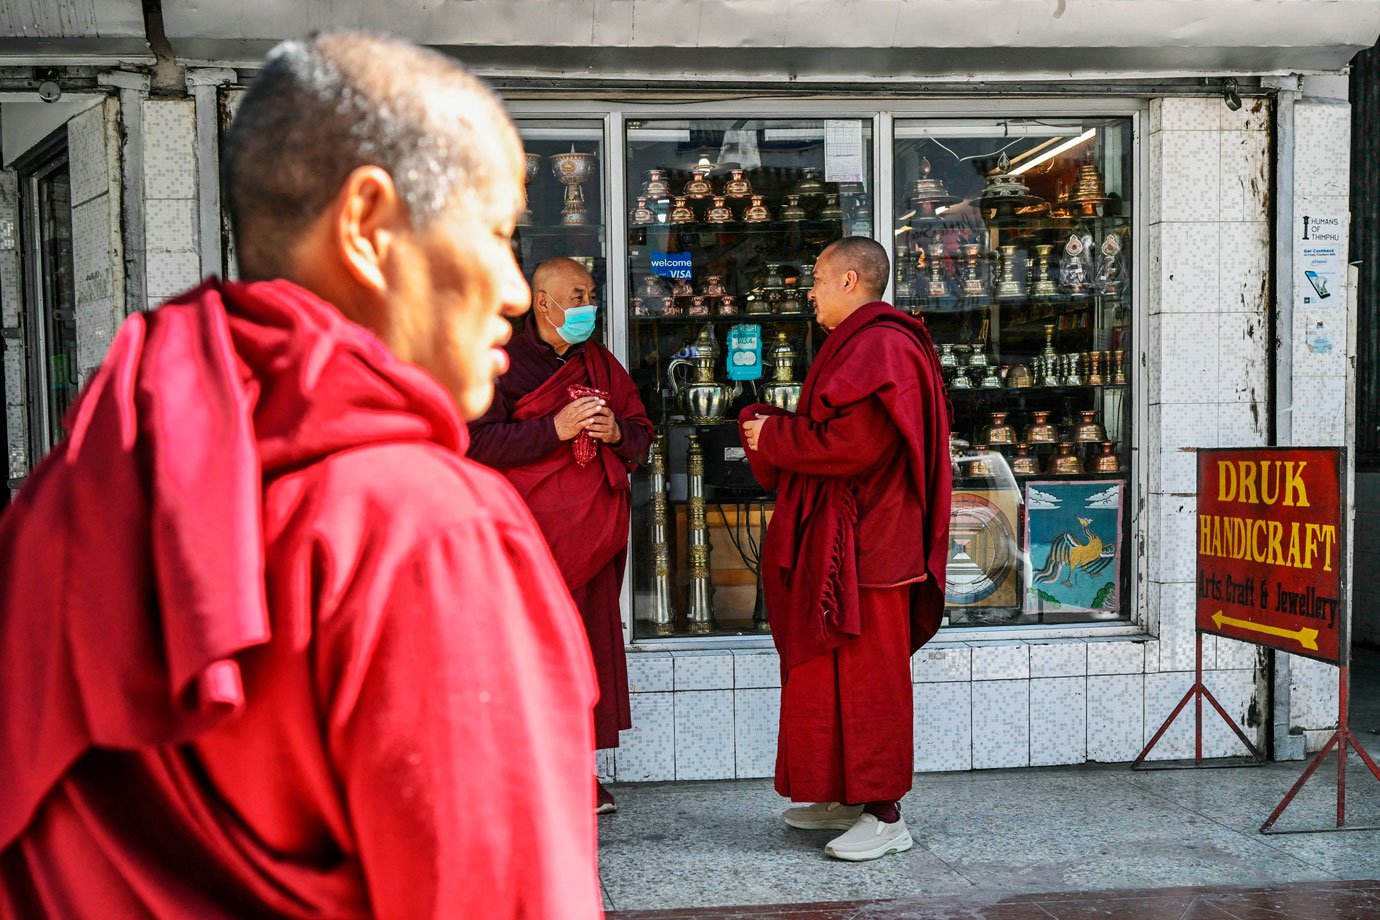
x=990, y=834
x=983, y=838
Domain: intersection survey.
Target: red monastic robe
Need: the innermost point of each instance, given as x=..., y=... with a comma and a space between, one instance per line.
x=853, y=566
x=271, y=646
x=582, y=510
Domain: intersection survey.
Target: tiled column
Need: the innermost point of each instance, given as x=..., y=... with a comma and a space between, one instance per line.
x=11, y=307
x=1317, y=391
x=172, y=223
x=1209, y=253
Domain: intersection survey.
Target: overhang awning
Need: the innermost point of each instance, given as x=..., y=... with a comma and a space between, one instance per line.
x=812, y=40
x=47, y=29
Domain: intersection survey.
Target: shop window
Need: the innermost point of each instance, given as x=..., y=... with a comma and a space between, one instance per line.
x=565, y=199
x=49, y=288
x=1013, y=241
x=726, y=219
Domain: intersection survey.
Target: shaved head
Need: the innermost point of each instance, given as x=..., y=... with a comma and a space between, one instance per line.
x=321, y=108
x=864, y=256
x=554, y=271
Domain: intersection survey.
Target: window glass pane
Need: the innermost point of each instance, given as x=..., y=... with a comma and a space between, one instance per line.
x=565, y=199
x=1013, y=241
x=726, y=218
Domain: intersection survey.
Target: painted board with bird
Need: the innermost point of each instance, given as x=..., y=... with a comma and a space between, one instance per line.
x=1073, y=544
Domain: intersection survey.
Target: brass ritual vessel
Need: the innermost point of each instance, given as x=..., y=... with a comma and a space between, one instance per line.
x=810, y=185
x=1010, y=286
x=531, y=168
x=1119, y=378
x=663, y=610
x=1044, y=285
x=697, y=535
x=937, y=286
x=792, y=212
x=572, y=170
x=703, y=399
x=783, y=391
x=974, y=284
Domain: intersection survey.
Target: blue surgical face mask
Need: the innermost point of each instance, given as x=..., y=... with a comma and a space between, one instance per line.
x=579, y=322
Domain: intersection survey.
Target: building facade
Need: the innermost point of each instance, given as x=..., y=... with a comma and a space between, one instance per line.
x=1096, y=208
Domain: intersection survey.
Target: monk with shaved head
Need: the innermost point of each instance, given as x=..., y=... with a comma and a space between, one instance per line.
x=567, y=427
x=853, y=564
x=271, y=643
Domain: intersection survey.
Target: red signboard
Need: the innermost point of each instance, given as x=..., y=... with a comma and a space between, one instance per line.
x=1270, y=549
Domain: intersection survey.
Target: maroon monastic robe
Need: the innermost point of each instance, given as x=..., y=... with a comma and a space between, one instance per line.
x=271, y=646
x=582, y=510
x=853, y=566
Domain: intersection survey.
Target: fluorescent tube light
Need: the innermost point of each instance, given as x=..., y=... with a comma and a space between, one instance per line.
x=1049, y=155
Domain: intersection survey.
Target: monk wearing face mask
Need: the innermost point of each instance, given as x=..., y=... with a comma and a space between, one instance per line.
x=566, y=428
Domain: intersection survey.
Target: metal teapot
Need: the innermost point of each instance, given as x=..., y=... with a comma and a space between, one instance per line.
x=782, y=392
x=703, y=399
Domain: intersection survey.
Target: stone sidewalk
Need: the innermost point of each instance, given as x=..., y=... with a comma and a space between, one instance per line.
x=985, y=836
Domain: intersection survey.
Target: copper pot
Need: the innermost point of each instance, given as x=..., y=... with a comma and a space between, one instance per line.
x=656, y=188
x=1040, y=431
x=756, y=212
x=1089, y=429
x=681, y=213
x=737, y=186
x=1066, y=462
x=1023, y=464
x=999, y=432
x=719, y=213
x=1107, y=462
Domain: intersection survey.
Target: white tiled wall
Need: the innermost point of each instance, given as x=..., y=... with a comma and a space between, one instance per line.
x=978, y=705
x=93, y=143
x=172, y=227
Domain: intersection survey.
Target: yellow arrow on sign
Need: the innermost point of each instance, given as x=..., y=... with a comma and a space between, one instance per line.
x=1308, y=638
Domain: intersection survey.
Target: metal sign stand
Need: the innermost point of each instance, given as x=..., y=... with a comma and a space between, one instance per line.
x=1198, y=692
x=1341, y=739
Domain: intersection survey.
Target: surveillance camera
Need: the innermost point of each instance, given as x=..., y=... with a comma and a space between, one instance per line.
x=49, y=91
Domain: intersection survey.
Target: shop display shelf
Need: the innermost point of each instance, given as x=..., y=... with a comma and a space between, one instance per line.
x=767, y=318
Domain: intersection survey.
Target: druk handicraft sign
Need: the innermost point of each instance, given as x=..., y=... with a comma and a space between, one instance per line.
x=1270, y=549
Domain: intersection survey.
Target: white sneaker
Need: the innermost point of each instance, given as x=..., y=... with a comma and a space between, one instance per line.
x=823, y=816
x=870, y=838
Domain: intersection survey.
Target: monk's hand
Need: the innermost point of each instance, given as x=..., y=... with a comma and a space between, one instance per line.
x=752, y=431
x=604, y=427
x=578, y=416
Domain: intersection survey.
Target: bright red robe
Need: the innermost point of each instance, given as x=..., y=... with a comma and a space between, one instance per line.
x=582, y=510
x=859, y=538
x=270, y=645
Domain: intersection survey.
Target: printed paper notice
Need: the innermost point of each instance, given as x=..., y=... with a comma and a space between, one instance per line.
x=843, y=150
x=1319, y=260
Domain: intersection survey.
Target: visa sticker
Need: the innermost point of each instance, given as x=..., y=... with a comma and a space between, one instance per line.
x=674, y=265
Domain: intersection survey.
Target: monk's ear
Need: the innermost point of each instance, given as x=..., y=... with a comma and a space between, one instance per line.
x=370, y=216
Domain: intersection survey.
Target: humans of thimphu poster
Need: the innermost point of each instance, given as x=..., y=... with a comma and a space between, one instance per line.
x=1073, y=541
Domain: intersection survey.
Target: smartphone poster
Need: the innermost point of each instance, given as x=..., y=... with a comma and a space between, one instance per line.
x=1319, y=259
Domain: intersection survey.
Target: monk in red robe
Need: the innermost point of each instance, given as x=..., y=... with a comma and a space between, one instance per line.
x=567, y=427
x=853, y=566
x=270, y=644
